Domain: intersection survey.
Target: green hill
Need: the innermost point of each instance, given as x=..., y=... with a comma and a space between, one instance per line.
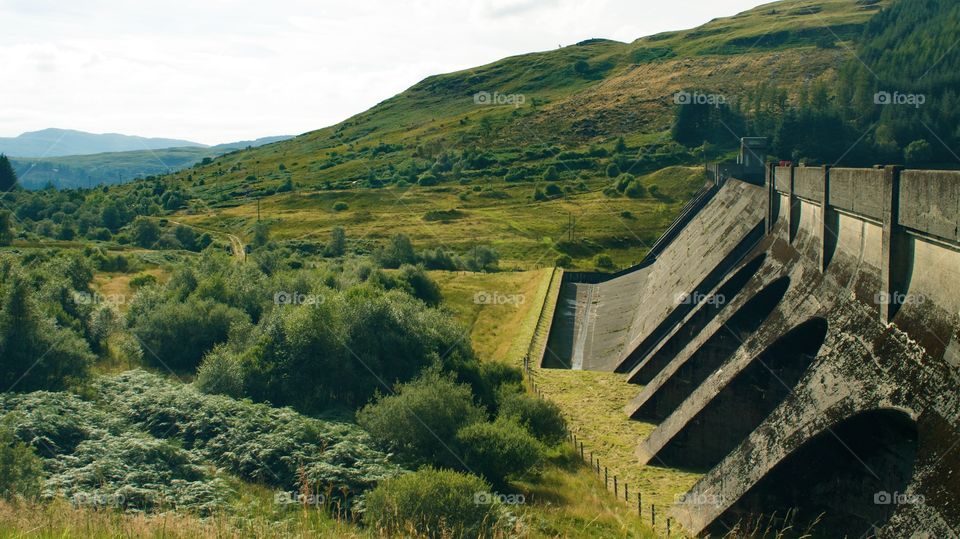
x=524, y=149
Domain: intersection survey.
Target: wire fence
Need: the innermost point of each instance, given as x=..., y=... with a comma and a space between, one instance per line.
x=531, y=361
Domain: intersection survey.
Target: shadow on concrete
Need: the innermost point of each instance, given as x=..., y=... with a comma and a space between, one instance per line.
x=851, y=477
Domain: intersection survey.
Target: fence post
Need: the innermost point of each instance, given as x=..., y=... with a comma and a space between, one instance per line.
x=581, y=450
x=606, y=478
x=626, y=492
x=653, y=515
x=640, y=506
x=615, y=494
x=668, y=526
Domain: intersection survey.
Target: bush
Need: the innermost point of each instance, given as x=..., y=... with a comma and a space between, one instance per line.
x=603, y=261
x=36, y=353
x=563, y=261
x=498, y=450
x=176, y=334
x=420, y=420
x=918, y=152
x=428, y=179
x=553, y=190
x=420, y=285
x=144, y=279
x=434, y=503
x=551, y=174
x=541, y=417
x=341, y=206
x=613, y=170
x=20, y=469
x=635, y=190
x=145, y=232
x=220, y=373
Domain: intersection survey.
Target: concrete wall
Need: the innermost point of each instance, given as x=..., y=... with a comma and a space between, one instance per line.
x=858, y=191
x=930, y=202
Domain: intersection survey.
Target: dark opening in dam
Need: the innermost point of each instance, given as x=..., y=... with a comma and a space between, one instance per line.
x=849, y=479
x=698, y=321
x=746, y=400
x=714, y=353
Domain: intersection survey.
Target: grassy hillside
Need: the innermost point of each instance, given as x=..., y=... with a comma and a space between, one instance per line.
x=566, y=110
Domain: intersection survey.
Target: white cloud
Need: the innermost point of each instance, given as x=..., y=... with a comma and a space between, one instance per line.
x=218, y=71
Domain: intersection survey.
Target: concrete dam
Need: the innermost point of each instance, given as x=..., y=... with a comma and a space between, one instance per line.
x=797, y=341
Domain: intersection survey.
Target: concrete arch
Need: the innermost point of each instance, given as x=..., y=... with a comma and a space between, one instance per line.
x=851, y=477
x=695, y=324
x=746, y=400
x=713, y=354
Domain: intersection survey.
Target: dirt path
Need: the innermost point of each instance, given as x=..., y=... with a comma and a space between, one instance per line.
x=238, y=249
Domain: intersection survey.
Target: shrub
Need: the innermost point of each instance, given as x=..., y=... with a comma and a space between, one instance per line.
x=397, y=252
x=341, y=206
x=551, y=174
x=541, y=417
x=623, y=181
x=347, y=347
x=428, y=179
x=604, y=261
x=434, y=503
x=563, y=261
x=635, y=190
x=420, y=284
x=20, y=469
x=553, y=190
x=422, y=418
x=918, y=152
x=498, y=450
x=220, y=373
x=177, y=334
x=144, y=279
x=613, y=170
x=145, y=232
x=36, y=353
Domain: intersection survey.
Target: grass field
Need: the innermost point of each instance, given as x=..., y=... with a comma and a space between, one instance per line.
x=527, y=234
x=592, y=402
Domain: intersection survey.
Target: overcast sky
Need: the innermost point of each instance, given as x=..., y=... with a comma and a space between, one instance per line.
x=216, y=71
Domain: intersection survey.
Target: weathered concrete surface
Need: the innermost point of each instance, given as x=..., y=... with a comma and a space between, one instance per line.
x=602, y=324
x=828, y=383
x=930, y=202
x=863, y=366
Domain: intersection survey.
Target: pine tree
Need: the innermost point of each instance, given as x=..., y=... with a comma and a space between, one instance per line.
x=8, y=177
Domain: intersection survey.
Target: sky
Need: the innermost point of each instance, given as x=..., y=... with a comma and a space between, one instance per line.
x=215, y=71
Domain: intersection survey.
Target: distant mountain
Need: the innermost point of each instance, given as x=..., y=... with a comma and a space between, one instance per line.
x=120, y=167
x=60, y=142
